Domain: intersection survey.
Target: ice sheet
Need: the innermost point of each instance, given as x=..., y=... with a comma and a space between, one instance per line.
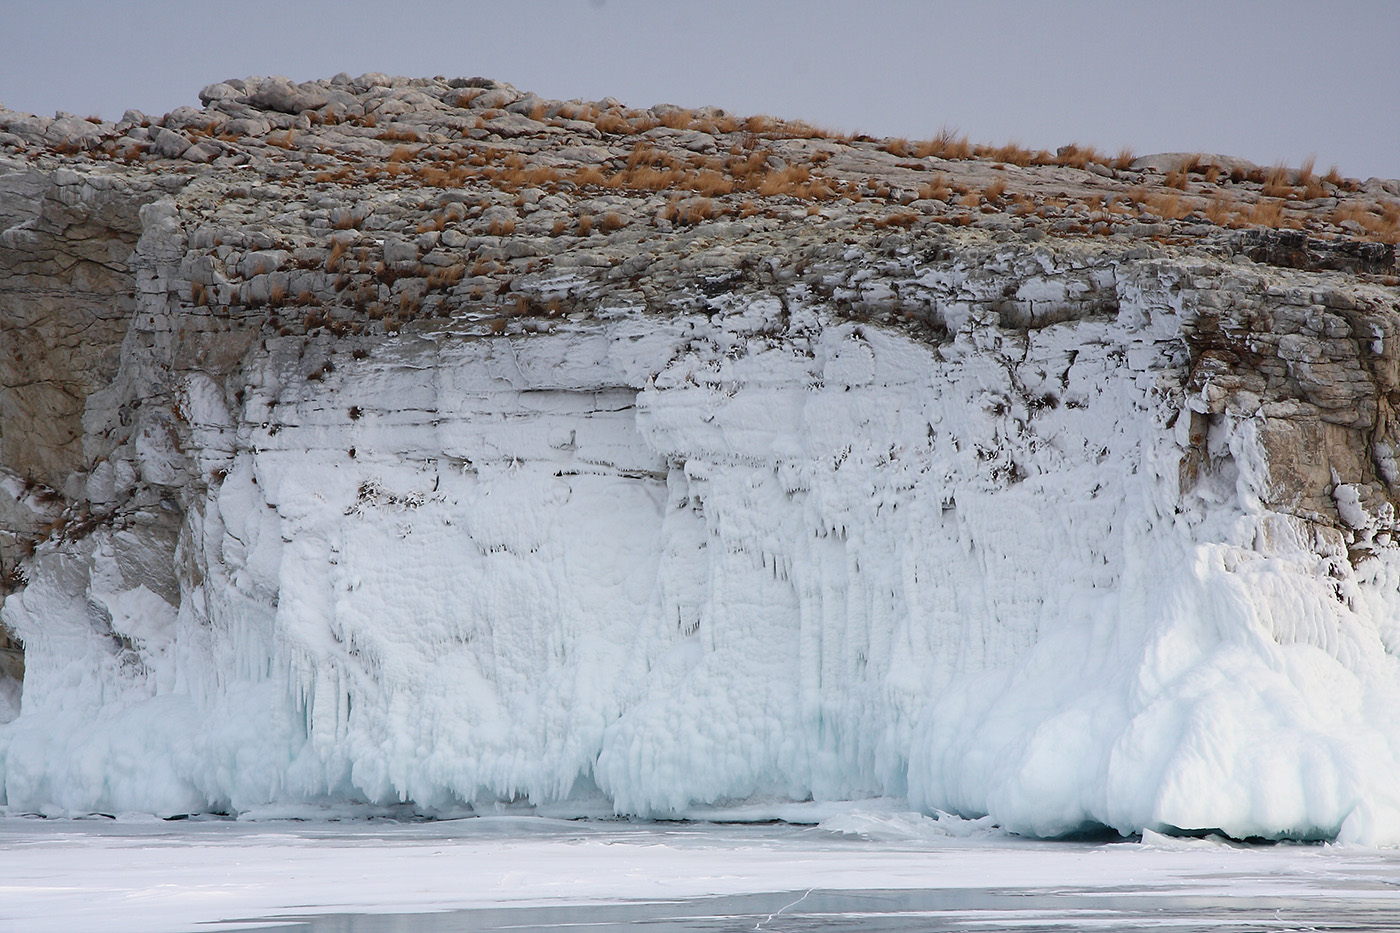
x=160, y=877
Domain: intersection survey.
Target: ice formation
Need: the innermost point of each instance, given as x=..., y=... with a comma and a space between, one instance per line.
x=691, y=562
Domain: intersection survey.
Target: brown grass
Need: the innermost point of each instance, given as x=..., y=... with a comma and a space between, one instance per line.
x=1309, y=182
x=332, y=176
x=1266, y=213
x=336, y=256
x=399, y=133
x=698, y=211
x=585, y=225
x=995, y=190
x=936, y=190
x=1220, y=211
x=678, y=119
x=614, y=122
x=1276, y=183
x=903, y=219
x=446, y=276
x=589, y=175
x=502, y=227
x=1077, y=156
x=1171, y=206
x=709, y=183
x=1011, y=153
x=898, y=146
x=944, y=146
x=611, y=221
x=1380, y=221
x=788, y=181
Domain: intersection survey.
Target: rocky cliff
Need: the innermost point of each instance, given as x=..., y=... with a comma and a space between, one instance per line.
x=386, y=440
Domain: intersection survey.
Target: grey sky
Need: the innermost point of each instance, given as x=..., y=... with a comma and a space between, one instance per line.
x=1269, y=81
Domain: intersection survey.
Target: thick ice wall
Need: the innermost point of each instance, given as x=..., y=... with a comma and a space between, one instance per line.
x=717, y=558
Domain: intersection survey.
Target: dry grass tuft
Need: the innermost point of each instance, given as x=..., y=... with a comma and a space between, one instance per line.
x=1220, y=211
x=904, y=219
x=336, y=256
x=936, y=190
x=1266, y=213
x=944, y=146
x=1169, y=206
x=1012, y=153
x=788, y=181
x=697, y=211
x=398, y=133
x=446, y=276
x=1380, y=221
x=589, y=175
x=1276, y=183
x=678, y=119
x=614, y=122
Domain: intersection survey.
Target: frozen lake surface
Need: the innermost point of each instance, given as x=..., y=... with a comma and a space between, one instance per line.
x=858, y=870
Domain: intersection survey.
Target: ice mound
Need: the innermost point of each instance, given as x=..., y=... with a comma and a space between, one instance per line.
x=907, y=826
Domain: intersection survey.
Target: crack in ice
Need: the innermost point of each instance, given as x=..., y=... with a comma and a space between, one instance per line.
x=759, y=925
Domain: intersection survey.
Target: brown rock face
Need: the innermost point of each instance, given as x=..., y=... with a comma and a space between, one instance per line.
x=67, y=293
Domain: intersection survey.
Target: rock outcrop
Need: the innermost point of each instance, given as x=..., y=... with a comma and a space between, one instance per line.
x=260, y=358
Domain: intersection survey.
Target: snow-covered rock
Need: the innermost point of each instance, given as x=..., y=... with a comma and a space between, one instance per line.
x=1057, y=533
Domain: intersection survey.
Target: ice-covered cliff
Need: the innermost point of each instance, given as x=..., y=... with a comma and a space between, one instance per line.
x=329, y=474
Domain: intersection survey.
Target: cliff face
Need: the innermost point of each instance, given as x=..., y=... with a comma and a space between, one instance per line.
x=385, y=440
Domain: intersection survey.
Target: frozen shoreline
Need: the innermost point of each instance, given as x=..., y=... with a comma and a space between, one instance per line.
x=101, y=875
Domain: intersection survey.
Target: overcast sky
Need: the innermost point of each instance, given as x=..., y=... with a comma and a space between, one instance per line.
x=1269, y=81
